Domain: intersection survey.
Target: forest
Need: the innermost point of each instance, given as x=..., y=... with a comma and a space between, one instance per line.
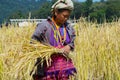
x=104, y=10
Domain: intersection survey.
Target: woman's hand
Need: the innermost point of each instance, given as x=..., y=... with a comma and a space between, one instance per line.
x=66, y=49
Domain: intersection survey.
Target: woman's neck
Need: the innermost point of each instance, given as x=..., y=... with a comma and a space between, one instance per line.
x=56, y=22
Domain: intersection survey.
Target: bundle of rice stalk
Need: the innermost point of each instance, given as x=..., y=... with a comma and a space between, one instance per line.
x=19, y=66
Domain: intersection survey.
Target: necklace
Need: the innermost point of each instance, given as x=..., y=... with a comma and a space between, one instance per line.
x=59, y=35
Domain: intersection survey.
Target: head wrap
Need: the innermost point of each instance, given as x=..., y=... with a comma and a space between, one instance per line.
x=63, y=4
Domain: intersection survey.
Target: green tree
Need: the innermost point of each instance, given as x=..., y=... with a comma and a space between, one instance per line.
x=43, y=12
x=113, y=9
x=88, y=4
x=17, y=15
x=79, y=10
x=98, y=12
x=9, y=8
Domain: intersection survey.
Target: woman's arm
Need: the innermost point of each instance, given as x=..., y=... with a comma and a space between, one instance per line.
x=39, y=33
x=70, y=47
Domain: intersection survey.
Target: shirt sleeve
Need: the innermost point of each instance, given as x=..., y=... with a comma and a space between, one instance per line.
x=72, y=37
x=39, y=33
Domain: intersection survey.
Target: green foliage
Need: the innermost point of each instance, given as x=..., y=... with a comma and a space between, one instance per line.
x=12, y=8
x=104, y=10
x=113, y=9
x=79, y=10
x=97, y=12
x=100, y=11
x=43, y=12
x=89, y=3
x=18, y=14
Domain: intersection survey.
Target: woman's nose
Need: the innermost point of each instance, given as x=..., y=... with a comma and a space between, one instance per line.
x=66, y=19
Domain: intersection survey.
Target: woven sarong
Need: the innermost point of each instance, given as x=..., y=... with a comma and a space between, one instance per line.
x=60, y=69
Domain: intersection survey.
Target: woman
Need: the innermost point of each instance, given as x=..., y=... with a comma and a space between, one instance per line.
x=58, y=33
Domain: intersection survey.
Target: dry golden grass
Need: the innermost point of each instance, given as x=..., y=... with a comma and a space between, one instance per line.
x=96, y=55
x=18, y=56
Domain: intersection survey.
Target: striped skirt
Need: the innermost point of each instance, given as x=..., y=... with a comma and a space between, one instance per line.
x=60, y=69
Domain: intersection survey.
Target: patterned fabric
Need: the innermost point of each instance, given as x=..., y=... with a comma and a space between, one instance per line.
x=43, y=31
x=52, y=40
x=52, y=78
x=63, y=4
x=60, y=68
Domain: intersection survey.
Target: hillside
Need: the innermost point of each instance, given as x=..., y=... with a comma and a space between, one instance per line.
x=9, y=7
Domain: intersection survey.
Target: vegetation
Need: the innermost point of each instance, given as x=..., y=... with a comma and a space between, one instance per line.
x=96, y=55
x=97, y=52
x=108, y=10
x=104, y=10
x=18, y=8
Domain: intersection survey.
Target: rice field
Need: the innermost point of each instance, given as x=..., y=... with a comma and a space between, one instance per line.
x=96, y=55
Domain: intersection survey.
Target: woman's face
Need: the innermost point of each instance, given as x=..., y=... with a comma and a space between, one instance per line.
x=61, y=17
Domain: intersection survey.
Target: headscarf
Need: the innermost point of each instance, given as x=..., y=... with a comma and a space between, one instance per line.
x=63, y=4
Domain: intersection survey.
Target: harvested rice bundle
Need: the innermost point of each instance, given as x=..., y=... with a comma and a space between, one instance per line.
x=21, y=65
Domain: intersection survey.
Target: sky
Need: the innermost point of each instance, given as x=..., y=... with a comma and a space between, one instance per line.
x=85, y=0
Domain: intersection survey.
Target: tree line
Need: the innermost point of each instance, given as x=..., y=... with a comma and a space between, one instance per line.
x=105, y=10
x=17, y=8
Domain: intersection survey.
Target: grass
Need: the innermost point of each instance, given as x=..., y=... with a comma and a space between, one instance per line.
x=96, y=55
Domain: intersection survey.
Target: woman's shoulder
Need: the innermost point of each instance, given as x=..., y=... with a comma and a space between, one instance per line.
x=43, y=24
x=69, y=26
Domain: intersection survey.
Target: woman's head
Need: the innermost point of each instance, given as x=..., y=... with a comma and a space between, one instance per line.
x=61, y=15
x=61, y=10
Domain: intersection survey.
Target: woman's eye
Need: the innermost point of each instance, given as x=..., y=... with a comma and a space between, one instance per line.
x=65, y=16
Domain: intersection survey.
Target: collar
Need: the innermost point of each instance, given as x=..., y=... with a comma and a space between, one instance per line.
x=50, y=19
